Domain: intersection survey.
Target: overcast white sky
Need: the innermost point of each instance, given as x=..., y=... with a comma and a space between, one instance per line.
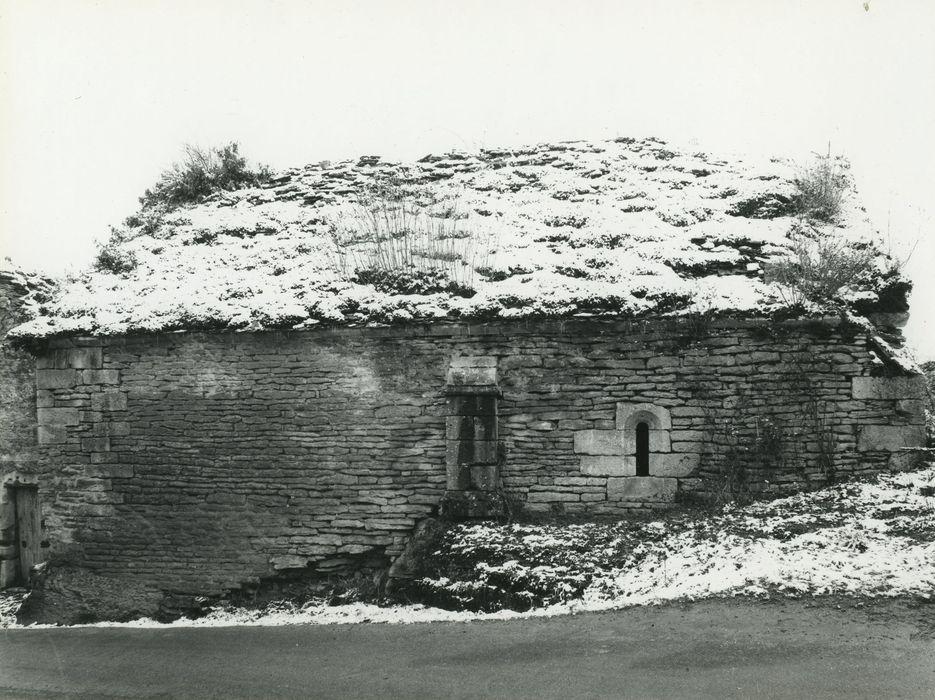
x=98, y=96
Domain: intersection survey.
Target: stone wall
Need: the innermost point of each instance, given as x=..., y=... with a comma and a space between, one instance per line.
x=17, y=417
x=201, y=461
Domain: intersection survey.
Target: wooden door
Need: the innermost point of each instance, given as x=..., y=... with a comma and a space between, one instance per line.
x=28, y=528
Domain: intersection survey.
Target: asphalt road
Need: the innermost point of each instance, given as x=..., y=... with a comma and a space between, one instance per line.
x=718, y=649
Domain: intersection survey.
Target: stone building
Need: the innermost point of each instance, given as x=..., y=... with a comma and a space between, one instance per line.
x=244, y=386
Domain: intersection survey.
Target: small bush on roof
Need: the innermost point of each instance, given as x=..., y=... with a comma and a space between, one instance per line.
x=820, y=265
x=822, y=186
x=111, y=258
x=202, y=172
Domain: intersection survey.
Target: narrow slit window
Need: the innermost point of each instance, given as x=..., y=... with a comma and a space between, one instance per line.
x=642, y=449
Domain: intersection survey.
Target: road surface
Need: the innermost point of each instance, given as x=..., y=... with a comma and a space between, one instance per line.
x=715, y=649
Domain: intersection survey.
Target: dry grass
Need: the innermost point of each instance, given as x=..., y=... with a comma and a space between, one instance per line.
x=819, y=266
x=412, y=232
x=822, y=187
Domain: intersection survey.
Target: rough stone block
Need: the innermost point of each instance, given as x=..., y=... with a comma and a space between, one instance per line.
x=95, y=444
x=51, y=434
x=673, y=464
x=641, y=488
x=608, y=466
x=886, y=438
x=402, y=411
x=55, y=378
x=658, y=441
x=602, y=442
x=687, y=435
x=100, y=376
x=687, y=411
x=474, y=361
x=552, y=497
x=657, y=362
x=288, y=561
x=116, y=401
x=57, y=416
x=764, y=357
x=888, y=387
x=688, y=446
x=108, y=429
x=913, y=410
x=906, y=460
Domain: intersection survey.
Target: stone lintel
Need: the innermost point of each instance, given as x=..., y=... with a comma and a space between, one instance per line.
x=71, y=358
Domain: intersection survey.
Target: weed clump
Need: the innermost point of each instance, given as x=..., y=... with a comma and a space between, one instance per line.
x=111, y=258
x=822, y=187
x=201, y=172
x=819, y=266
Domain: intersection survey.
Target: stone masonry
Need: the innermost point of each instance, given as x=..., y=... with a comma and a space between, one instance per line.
x=198, y=462
x=17, y=420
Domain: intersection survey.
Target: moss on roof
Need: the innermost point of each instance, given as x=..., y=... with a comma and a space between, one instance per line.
x=623, y=227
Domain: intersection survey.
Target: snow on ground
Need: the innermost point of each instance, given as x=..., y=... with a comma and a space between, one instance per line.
x=873, y=539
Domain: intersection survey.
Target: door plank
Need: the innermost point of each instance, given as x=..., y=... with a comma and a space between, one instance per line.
x=28, y=534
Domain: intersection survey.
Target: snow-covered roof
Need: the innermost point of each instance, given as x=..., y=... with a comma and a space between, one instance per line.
x=24, y=282
x=620, y=227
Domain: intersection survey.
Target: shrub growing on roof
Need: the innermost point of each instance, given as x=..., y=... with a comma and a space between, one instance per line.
x=820, y=265
x=822, y=187
x=202, y=172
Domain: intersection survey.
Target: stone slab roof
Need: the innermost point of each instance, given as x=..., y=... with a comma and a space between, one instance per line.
x=624, y=227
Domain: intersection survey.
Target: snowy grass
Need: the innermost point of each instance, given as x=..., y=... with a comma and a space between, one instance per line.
x=864, y=539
